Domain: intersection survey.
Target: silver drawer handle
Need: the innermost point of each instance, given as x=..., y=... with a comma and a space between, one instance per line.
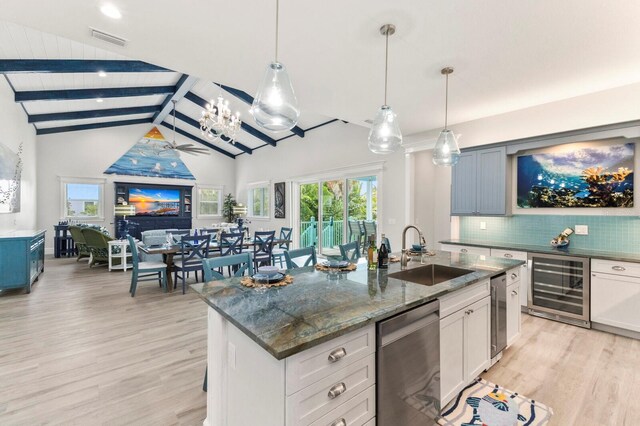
x=509, y=255
x=618, y=268
x=463, y=250
x=514, y=276
x=469, y=312
x=337, y=354
x=514, y=293
x=340, y=422
x=337, y=390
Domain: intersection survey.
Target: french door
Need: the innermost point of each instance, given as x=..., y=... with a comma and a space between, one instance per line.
x=336, y=211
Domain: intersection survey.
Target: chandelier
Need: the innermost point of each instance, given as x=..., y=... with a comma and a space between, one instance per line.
x=217, y=121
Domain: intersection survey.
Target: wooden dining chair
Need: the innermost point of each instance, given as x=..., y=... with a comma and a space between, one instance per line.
x=230, y=244
x=278, y=252
x=145, y=271
x=262, y=248
x=350, y=251
x=299, y=258
x=193, y=250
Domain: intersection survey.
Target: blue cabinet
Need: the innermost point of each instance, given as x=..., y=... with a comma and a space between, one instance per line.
x=479, y=183
x=21, y=259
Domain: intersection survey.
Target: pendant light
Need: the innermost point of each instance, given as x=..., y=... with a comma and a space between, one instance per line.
x=446, y=152
x=275, y=106
x=385, y=136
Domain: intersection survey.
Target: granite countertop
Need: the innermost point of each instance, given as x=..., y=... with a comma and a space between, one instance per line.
x=568, y=251
x=27, y=233
x=314, y=309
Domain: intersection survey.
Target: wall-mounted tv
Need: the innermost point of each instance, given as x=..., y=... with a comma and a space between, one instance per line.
x=155, y=201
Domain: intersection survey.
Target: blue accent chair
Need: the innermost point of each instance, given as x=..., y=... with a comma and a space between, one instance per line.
x=145, y=271
x=242, y=262
x=193, y=250
x=262, y=248
x=278, y=252
x=350, y=251
x=308, y=253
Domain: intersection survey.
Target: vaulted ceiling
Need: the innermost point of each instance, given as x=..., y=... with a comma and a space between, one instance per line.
x=507, y=55
x=66, y=86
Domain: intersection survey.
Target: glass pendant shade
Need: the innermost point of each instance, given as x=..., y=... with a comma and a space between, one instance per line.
x=275, y=106
x=385, y=136
x=446, y=152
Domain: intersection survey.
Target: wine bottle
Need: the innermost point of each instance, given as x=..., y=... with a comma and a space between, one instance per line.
x=383, y=255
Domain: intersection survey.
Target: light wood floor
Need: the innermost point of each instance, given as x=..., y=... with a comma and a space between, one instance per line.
x=80, y=350
x=588, y=377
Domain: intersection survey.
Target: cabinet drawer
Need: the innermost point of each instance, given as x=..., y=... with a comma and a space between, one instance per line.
x=614, y=267
x=513, y=275
x=614, y=300
x=307, y=367
x=460, y=299
x=509, y=254
x=314, y=401
x=481, y=251
x=355, y=412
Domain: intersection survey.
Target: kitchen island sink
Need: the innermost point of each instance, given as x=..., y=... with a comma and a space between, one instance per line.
x=430, y=274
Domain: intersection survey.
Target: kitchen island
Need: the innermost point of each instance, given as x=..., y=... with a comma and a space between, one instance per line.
x=263, y=368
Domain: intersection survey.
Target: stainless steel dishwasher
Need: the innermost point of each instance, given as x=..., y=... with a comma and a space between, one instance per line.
x=408, y=367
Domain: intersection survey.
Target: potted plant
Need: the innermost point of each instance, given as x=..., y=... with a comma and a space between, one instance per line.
x=227, y=208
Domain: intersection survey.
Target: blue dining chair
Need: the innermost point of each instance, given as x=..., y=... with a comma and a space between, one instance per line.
x=262, y=248
x=243, y=262
x=193, y=250
x=230, y=244
x=350, y=251
x=145, y=271
x=277, y=253
x=307, y=253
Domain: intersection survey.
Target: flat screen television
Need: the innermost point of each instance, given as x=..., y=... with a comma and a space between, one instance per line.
x=155, y=201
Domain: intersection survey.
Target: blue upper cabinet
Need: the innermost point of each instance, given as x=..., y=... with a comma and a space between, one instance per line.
x=479, y=183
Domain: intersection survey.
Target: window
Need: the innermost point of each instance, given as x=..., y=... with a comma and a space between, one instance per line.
x=259, y=201
x=209, y=201
x=83, y=198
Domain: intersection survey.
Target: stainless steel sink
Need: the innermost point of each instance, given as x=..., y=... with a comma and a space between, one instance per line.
x=430, y=274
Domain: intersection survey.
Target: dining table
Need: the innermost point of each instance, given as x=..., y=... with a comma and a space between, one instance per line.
x=168, y=252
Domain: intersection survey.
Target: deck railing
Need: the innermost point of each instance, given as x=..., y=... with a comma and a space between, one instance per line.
x=332, y=233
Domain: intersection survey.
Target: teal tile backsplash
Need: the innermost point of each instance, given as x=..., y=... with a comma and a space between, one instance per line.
x=606, y=233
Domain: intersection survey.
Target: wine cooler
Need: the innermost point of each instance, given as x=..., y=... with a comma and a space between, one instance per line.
x=559, y=288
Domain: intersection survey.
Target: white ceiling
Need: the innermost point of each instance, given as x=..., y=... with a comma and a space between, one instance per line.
x=508, y=55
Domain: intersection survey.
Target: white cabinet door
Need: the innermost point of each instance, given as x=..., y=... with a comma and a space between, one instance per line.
x=477, y=337
x=513, y=312
x=452, y=348
x=615, y=300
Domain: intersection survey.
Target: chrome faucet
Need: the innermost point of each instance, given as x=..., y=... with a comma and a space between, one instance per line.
x=404, y=258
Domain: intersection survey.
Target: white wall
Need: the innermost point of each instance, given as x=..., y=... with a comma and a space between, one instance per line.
x=596, y=109
x=335, y=146
x=88, y=153
x=16, y=130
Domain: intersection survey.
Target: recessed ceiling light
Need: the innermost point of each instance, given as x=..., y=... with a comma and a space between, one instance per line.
x=111, y=11
x=102, y=74
x=99, y=100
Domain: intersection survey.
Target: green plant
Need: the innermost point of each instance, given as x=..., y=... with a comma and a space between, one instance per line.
x=227, y=208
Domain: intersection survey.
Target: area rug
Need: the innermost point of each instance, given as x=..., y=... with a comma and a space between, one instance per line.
x=483, y=403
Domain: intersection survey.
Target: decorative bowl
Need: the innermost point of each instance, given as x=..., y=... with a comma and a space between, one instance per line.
x=416, y=247
x=269, y=270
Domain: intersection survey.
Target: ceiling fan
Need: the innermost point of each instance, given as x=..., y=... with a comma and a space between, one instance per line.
x=187, y=148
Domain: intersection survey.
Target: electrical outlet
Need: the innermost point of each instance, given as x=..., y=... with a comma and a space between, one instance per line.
x=582, y=230
x=483, y=225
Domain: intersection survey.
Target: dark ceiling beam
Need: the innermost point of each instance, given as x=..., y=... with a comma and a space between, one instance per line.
x=197, y=139
x=193, y=123
x=18, y=66
x=247, y=128
x=90, y=126
x=247, y=98
x=75, y=94
x=95, y=113
x=184, y=84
